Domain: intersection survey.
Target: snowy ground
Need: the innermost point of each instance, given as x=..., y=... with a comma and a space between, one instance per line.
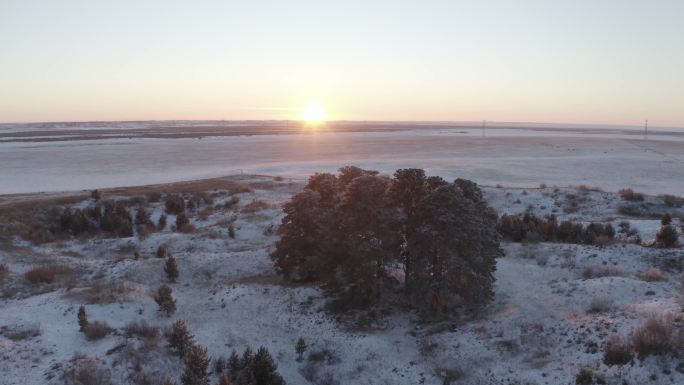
x=537, y=331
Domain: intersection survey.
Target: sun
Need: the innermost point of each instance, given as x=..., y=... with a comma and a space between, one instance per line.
x=313, y=113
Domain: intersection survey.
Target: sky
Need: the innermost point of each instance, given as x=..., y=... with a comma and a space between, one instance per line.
x=581, y=61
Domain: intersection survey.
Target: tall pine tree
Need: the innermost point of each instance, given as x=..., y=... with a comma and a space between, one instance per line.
x=196, y=370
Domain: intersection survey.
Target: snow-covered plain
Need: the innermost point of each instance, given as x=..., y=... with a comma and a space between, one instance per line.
x=522, y=157
x=537, y=331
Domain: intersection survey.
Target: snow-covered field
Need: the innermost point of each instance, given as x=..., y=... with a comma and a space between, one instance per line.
x=522, y=157
x=538, y=330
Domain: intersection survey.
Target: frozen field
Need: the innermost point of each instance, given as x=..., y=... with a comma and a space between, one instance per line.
x=524, y=157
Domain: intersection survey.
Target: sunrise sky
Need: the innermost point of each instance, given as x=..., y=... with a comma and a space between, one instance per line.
x=581, y=61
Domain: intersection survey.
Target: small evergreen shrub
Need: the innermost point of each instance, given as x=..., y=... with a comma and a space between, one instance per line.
x=162, y=251
x=171, y=269
x=164, y=299
x=667, y=237
x=174, y=204
x=82, y=319
x=183, y=223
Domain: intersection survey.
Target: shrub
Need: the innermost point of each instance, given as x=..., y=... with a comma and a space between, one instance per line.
x=164, y=299
x=174, y=204
x=183, y=224
x=300, y=348
x=530, y=228
x=601, y=304
x=154, y=196
x=4, y=271
x=653, y=274
x=21, y=332
x=231, y=231
x=86, y=371
x=672, y=200
x=630, y=195
x=584, y=377
x=171, y=269
x=162, y=251
x=617, y=351
x=96, y=330
x=179, y=338
x=142, y=217
x=141, y=329
x=667, y=237
x=656, y=336
x=666, y=219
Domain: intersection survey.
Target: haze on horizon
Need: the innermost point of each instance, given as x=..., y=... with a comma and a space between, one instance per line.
x=608, y=62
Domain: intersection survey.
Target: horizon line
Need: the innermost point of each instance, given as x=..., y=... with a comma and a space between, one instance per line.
x=374, y=121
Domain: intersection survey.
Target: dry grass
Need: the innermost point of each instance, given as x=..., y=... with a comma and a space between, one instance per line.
x=141, y=329
x=601, y=271
x=255, y=206
x=653, y=274
x=205, y=213
x=601, y=303
x=202, y=185
x=96, y=330
x=86, y=371
x=617, y=351
x=21, y=332
x=104, y=292
x=657, y=336
x=47, y=274
x=630, y=195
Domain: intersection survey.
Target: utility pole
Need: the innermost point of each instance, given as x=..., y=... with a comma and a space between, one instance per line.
x=646, y=130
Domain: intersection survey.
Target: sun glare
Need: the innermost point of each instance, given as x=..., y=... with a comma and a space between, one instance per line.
x=313, y=113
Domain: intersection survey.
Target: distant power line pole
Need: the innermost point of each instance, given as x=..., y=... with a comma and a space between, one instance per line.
x=646, y=130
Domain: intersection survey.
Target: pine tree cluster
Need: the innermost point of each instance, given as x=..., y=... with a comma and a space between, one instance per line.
x=112, y=217
x=356, y=232
x=252, y=369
